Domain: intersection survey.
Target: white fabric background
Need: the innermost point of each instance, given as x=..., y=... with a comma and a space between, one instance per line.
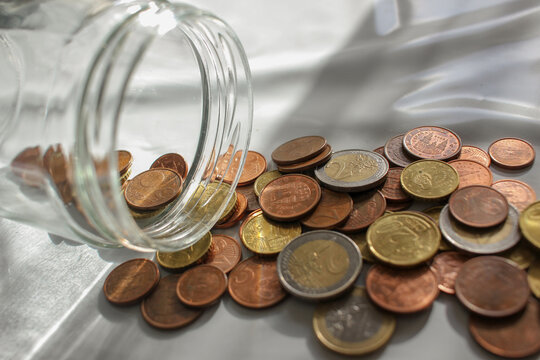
x=356, y=72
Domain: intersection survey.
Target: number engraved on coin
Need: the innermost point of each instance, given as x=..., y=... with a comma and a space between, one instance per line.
x=351, y=167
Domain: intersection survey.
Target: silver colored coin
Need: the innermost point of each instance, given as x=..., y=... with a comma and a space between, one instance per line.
x=481, y=241
x=353, y=171
x=319, y=265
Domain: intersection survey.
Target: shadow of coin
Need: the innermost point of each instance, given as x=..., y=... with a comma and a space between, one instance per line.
x=115, y=313
x=57, y=239
x=408, y=325
x=294, y=318
x=248, y=313
x=504, y=173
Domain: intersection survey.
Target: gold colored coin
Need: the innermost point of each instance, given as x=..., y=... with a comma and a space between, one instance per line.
x=434, y=213
x=352, y=325
x=264, y=179
x=207, y=201
x=533, y=277
x=137, y=215
x=180, y=259
x=521, y=254
x=529, y=222
x=404, y=239
x=351, y=167
x=429, y=180
x=360, y=239
x=266, y=237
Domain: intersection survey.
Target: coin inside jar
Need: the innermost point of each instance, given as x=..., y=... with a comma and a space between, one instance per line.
x=177, y=260
x=201, y=286
x=224, y=253
x=478, y=206
x=125, y=159
x=299, y=149
x=227, y=167
x=333, y=209
x=153, y=189
x=432, y=142
x=172, y=161
x=512, y=153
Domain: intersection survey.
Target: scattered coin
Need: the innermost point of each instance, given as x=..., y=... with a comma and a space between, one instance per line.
x=360, y=239
x=264, y=179
x=237, y=214
x=395, y=153
x=379, y=150
x=391, y=189
x=434, y=213
x=249, y=193
x=367, y=207
x=172, y=161
x=125, y=159
x=131, y=281
x=319, y=265
x=533, y=277
x=209, y=200
x=402, y=291
x=308, y=164
x=178, y=260
x=201, y=286
x=400, y=206
x=446, y=265
x=432, y=142
x=333, y=209
x=224, y=253
x=290, y=197
x=153, y=189
x=512, y=153
x=298, y=150
x=28, y=165
x=352, y=325
x=404, y=239
x=492, y=286
x=515, y=336
x=478, y=206
x=266, y=237
x=353, y=171
x=473, y=153
x=481, y=241
x=521, y=254
x=430, y=180
x=472, y=173
x=163, y=310
x=529, y=222
x=254, y=283
x=227, y=168
x=517, y=192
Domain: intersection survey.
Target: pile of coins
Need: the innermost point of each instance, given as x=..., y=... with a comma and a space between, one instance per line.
x=312, y=223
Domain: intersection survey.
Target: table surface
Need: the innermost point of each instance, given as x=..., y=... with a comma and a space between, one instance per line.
x=356, y=72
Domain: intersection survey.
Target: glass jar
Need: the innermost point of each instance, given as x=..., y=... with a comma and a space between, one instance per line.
x=83, y=79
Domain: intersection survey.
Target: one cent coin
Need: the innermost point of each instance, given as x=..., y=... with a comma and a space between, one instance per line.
x=163, y=310
x=394, y=152
x=254, y=283
x=515, y=336
x=125, y=159
x=224, y=253
x=529, y=222
x=402, y=291
x=298, y=150
x=153, y=189
x=429, y=180
x=473, y=153
x=512, y=153
x=517, y=192
x=252, y=199
x=478, y=206
x=367, y=207
x=472, y=173
x=333, y=209
x=492, y=286
x=131, y=281
x=308, y=164
x=432, y=142
x=392, y=190
x=446, y=265
x=201, y=286
x=290, y=197
x=172, y=161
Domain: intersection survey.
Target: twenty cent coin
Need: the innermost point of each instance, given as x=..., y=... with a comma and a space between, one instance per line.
x=178, y=260
x=511, y=153
x=430, y=180
x=263, y=180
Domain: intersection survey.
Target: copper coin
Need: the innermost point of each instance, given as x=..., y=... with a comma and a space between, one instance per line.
x=392, y=190
x=402, y=291
x=367, y=207
x=516, y=192
x=201, y=286
x=432, y=142
x=162, y=308
x=308, y=164
x=290, y=197
x=473, y=153
x=125, y=159
x=472, y=173
x=394, y=152
x=153, y=189
x=254, y=283
x=379, y=150
x=238, y=213
x=131, y=281
x=28, y=165
x=172, y=161
x=254, y=166
x=333, y=209
x=478, y=206
x=252, y=199
x=446, y=265
x=298, y=150
x=224, y=253
x=511, y=153
x=398, y=206
x=515, y=336
x=492, y=286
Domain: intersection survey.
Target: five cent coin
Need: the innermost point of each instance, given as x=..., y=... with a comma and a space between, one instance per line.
x=172, y=161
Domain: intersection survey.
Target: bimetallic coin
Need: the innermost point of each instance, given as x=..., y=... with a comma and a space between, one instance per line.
x=529, y=222
x=125, y=159
x=224, y=253
x=353, y=171
x=352, y=325
x=434, y=213
x=429, y=180
x=446, y=265
x=432, y=142
x=172, y=161
x=517, y=192
x=153, y=189
x=367, y=207
x=266, y=237
x=298, y=150
x=478, y=206
x=473, y=153
x=264, y=179
x=522, y=255
x=404, y=239
x=391, y=189
x=333, y=209
x=481, y=241
x=394, y=152
x=201, y=286
x=360, y=239
x=402, y=291
x=533, y=277
x=472, y=173
x=319, y=265
x=515, y=336
x=492, y=286
x=180, y=259
x=512, y=153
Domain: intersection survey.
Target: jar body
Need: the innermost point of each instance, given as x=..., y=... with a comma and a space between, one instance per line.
x=87, y=78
